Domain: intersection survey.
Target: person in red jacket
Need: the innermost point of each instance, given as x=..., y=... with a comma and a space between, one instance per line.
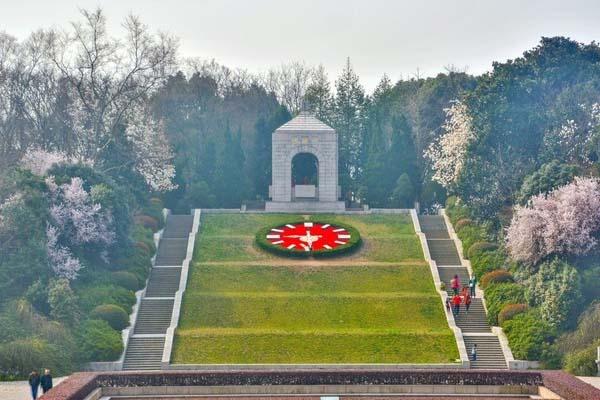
x=455, y=284
x=467, y=302
x=456, y=300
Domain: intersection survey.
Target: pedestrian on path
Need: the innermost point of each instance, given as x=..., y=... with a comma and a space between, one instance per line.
x=34, y=383
x=467, y=302
x=46, y=381
x=472, y=284
x=448, y=304
x=456, y=302
x=455, y=284
x=474, y=352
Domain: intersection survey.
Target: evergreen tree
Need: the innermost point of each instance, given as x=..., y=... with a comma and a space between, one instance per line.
x=349, y=123
x=231, y=177
x=318, y=96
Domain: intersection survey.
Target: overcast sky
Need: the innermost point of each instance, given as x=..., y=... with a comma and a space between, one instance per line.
x=394, y=37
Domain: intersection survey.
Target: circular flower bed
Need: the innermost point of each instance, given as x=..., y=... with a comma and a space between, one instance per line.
x=309, y=238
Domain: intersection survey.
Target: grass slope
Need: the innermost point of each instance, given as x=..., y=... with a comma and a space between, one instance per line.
x=243, y=305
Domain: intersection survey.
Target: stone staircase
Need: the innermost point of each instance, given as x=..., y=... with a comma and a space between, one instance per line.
x=145, y=347
x=473, y=324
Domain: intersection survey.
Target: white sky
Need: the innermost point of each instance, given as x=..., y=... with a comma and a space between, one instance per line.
x=396, y=37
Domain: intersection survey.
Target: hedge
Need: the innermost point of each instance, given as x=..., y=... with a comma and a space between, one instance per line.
x=352, y=245
x=487, y=261
x=127, y=280
x=500, y=294
x=97, y=341
x=510, y=310
x=461, y=223
x=496, y=276
x=114, y=315
x=480, y=247
x=528, y=335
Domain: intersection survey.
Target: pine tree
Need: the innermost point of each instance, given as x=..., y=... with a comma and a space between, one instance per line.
x=318, y=96
x=231, y=177
x=349, y=123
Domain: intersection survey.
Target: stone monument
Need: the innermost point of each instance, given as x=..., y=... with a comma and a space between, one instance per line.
x=304, y=167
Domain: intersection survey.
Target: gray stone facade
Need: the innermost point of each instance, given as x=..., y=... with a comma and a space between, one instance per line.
x=304, y=134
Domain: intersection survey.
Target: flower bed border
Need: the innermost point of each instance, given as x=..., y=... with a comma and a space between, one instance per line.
x=351, y=246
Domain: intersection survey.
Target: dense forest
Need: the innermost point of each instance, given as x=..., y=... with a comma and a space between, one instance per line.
x=97, y=134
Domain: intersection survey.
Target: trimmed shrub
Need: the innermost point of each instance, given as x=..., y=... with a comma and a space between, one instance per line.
x=97, y=341
x=528, y=335
x=582, y=362
x=496, y=276
x=487, y=261
x=91, y=297
x=146, y=221
x=469, y=235
x=455, y=209
x=500, y=294
x=480, y=247
x=116, y=317
x=461, y=223
x=127, y=280
x=144, y=247
x=510, y=310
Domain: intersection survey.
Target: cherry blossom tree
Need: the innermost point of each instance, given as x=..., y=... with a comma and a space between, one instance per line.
x=40, y=161
x=448, y=153
x=565, y=221
x=75, y=220
x=153, y=155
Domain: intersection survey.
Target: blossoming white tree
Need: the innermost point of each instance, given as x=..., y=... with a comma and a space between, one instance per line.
x=75, y=220
x=153, y=155
x=448, y=153
x=565, y=221
x=40, y=161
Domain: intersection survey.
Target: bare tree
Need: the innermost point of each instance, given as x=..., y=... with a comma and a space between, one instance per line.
x=107, y=77
x=289, y=83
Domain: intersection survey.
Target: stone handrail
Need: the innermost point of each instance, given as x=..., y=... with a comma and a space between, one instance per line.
x=170, y=334
x=458, y=335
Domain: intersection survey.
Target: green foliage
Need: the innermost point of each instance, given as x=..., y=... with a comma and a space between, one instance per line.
x=509, y=311
x=590, y=289
x=403, y=194
x=499, y=295
x=127, y=280
x=496, y=276
x=480, y=247
x=548, y=177
x=555, y=288
x=19, y=357
x=63, y=302
x=456, y=209
x=528, y=334
x=585, y=334
x=97, y=341
x=116, y=317
x=94, y=296
x=486, y=261
x=470, y=234
x=583, y=362
x=461, y=223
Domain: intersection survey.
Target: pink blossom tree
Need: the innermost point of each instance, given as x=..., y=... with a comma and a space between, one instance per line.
x=40, y=161
x=565, y=221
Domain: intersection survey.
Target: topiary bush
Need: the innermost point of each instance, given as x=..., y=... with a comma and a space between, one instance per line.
x=510, y=310
x=470, y=234
x=461, y=223
x=147, y=222
x=97, y=341
x=528, y=335
x=487, y=261
x=94, y=296
x=114, y=315
x=496, y=276
x=455, y=209
x=500, y=294
x=480, y=247
x=127, y=280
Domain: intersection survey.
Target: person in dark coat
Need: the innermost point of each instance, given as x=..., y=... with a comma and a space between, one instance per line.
x=34, y=383
x=46, y=381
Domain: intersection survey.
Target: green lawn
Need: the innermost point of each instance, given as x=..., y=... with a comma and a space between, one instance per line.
x=277, y=311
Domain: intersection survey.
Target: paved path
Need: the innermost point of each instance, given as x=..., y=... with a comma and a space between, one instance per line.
x=592, y=380
x=19, y=390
